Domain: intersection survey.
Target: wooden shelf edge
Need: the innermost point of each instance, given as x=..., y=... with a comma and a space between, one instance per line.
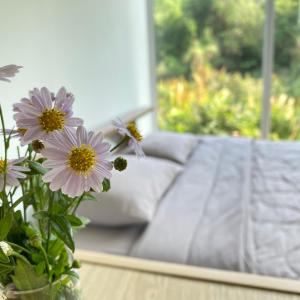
x=190, y=272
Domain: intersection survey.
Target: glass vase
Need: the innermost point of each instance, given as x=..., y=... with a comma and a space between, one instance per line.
x=66, y=288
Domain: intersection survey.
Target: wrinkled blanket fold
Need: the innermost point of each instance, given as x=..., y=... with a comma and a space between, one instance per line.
x=236, y=207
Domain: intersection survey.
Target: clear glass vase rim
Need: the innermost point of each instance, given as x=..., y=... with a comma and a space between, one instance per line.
x=25, y=292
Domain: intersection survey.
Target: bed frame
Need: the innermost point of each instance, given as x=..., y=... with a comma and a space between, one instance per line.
x=191, y=272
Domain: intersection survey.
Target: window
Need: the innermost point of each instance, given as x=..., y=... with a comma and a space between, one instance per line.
x=210, y=78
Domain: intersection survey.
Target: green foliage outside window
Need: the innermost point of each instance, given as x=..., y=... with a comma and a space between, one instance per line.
x=209, y=67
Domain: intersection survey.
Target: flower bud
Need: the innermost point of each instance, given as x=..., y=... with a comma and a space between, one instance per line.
x=6, y=248
x=35, y=241
x=37, y=146
x=76, y=264
x=120, y=163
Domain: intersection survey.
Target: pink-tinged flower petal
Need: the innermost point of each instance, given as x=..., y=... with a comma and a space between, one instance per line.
x=71, y=136
x=137, y=148
x=31, y=134
x=86, y=186
x=20, y=168
x=62, y=140
x=74, y=122
x=54, y=153
x=82, y=135
x=18, y=160
x=8, y=72
x=59, y=180
x=10, y=132
x=64, y=102
x=71, y=185
x=103, y=170
x=17, y=174
x=106, y=164
x=61, y=94
x=26, y=108
x=46, y=96
x=96, y=182
x=48, y=177
x=54, y=163
x=11, y=180
x=37, y=100
x=96, y=139
x=66, y=106
x=28, y=123
x=102, y=148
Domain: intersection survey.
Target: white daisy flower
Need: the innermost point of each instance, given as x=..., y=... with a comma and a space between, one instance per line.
x=12, y=171
x=78, y=161
x=40, y=116
x=131, y=132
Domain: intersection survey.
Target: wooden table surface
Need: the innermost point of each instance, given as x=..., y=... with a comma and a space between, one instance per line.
x=108, y=277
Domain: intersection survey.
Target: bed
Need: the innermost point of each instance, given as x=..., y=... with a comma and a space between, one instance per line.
x=235, y=205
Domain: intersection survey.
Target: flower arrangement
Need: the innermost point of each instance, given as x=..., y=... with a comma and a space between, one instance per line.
x=40, y=191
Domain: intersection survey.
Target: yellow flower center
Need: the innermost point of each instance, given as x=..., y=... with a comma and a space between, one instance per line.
x=134, y=131
x=22, y=131
x=52, y=119
x=82, y=159
x=2, y=166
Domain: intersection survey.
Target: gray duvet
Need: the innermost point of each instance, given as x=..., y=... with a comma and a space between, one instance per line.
x=235, y=207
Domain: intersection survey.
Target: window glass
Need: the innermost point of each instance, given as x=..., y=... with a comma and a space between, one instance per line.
x=209, y=65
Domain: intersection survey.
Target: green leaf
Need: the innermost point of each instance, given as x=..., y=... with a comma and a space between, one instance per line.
x=40, y=268
x=36, y=168
x=3, y=257
x=41, y=215
x=88, y=197
x=105, y=185
x=5, y=225
x=26, y=278
x=74, y=220
x=55, y=247
x=5, y=269
x=78, y=222
x=63, y=229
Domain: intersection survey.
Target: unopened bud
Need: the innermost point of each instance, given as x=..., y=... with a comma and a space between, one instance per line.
x=35, y=241
x=76, y=264
x=37, y=146
x=6, y=248
x=120, y=163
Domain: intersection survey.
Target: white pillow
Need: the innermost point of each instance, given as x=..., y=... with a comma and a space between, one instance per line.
x=170, y=145
x=134, y=193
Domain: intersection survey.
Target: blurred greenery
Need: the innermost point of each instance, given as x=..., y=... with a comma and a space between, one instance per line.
x=209, y=67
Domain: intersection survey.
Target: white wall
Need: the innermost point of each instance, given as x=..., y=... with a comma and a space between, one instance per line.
x=97, y=49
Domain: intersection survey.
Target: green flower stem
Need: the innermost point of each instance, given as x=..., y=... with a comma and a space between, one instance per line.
x=77, y=204
x=123, y=140
x=46, y=259
x=5, y=155
x=18, y=255
x=19, y=247
x=49, y=221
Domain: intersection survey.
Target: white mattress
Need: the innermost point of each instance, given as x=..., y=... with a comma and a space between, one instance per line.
x=236, y=207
